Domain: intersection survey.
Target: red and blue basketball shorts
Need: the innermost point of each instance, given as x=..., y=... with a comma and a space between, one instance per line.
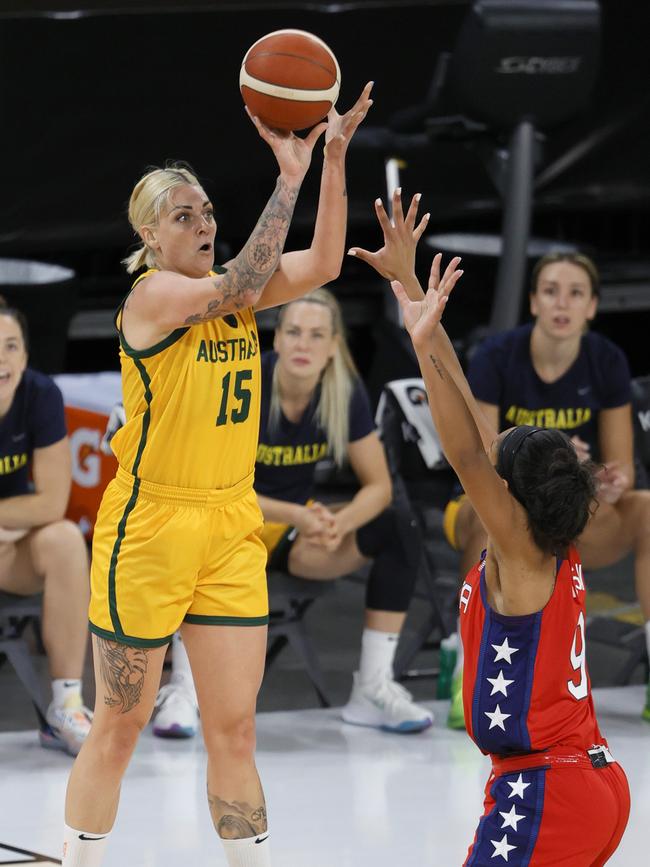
x=565, y=813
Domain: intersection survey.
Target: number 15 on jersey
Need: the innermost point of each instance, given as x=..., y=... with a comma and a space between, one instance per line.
x=241, y=394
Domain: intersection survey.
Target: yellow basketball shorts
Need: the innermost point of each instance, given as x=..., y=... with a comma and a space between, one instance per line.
x=450, y=518
x=164, y=555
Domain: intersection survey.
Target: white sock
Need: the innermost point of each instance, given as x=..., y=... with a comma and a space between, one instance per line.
x=66, y=692
x=181, y=669
x=647, y=635
x=83, y=848
x=377, y=655
x=249, y=852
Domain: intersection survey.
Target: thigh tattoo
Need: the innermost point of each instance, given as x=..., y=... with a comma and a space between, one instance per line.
x=123, y=669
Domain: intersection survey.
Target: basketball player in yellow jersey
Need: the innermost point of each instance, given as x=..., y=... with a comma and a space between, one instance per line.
x=175, y=540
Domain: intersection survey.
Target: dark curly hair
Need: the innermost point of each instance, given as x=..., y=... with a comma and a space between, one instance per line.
x=18, y=316
x=556, y=490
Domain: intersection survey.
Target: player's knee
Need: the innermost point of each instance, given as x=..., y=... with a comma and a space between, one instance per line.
x=59, y=537
x=297, y=562
x=301, y=565
x=234, y=737
x=117, y=742
x=394, y=532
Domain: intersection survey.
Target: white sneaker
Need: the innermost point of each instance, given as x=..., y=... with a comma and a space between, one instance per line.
x=385, y=704
x=67, y=728
x=179, y=712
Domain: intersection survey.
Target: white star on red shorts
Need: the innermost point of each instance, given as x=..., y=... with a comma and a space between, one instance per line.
x=502, y=847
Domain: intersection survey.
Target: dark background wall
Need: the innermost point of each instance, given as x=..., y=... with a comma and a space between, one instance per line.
x=89, y=99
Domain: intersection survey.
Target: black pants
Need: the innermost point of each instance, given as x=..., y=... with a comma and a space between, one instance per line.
x=392, y=541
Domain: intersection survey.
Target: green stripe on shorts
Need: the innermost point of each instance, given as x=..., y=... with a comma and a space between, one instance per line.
x=205, y=620
x=130, y=640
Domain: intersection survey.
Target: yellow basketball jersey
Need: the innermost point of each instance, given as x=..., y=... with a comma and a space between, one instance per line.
x=192, y=404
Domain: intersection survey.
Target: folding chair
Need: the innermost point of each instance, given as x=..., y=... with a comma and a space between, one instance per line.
x=16, y=614
x=423, y=481
x=289, y=600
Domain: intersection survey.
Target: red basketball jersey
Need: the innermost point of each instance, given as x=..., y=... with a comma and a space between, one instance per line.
x=525, y=680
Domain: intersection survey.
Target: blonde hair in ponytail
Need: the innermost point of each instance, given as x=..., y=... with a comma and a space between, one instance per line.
x=337, y=380
x=149, y=195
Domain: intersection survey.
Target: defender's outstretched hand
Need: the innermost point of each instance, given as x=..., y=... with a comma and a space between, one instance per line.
x=396, y=259
x=292, y=152
x=341, y=127
x=421, y=318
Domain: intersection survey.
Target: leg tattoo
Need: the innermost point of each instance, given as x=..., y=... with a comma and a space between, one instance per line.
x=123, y=669
x=236, y=820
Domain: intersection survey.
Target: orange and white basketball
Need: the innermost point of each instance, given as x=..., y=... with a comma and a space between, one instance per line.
x=290, y=79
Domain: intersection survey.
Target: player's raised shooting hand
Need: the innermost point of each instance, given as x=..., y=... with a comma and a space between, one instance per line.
x=341, y=127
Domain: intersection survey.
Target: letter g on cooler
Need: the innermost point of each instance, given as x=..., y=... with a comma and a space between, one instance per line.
x=86, y=462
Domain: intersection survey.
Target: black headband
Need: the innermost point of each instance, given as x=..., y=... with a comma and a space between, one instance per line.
x=508, y=449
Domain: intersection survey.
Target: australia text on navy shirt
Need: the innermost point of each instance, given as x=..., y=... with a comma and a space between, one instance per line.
x=34, y=420
x=287, y=456
x=501, y=373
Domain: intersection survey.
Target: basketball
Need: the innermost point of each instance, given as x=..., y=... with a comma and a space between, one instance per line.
x=289, y=79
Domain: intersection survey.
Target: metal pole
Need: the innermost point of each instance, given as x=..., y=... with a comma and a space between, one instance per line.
x=392, y=167
x=517, y=207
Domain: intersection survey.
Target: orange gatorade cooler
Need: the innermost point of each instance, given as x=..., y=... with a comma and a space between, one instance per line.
x=89, y=399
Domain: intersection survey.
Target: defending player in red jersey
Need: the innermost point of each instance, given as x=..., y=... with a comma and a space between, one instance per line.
x=555, y=795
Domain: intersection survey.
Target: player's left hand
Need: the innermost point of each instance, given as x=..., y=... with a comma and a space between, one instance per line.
x=421, y=318
x=341, y=127
x=396, y=259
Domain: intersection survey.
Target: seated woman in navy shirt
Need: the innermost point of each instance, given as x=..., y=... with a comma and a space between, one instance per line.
x=555, y=373
x=313, y=405
x=39, y=550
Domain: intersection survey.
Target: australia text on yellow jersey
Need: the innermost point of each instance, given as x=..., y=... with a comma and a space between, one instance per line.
x=192, y=404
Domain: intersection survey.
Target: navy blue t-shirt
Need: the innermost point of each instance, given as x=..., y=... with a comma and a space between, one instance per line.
x=287, y=455
x=501, y=372
x=35, y=420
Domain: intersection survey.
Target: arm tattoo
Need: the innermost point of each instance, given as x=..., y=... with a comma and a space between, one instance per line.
x=237, y=820
x=249, y=272
x=437, y=367
x=122, y=669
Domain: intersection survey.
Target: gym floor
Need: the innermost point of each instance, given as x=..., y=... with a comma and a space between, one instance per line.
x=336, y=793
